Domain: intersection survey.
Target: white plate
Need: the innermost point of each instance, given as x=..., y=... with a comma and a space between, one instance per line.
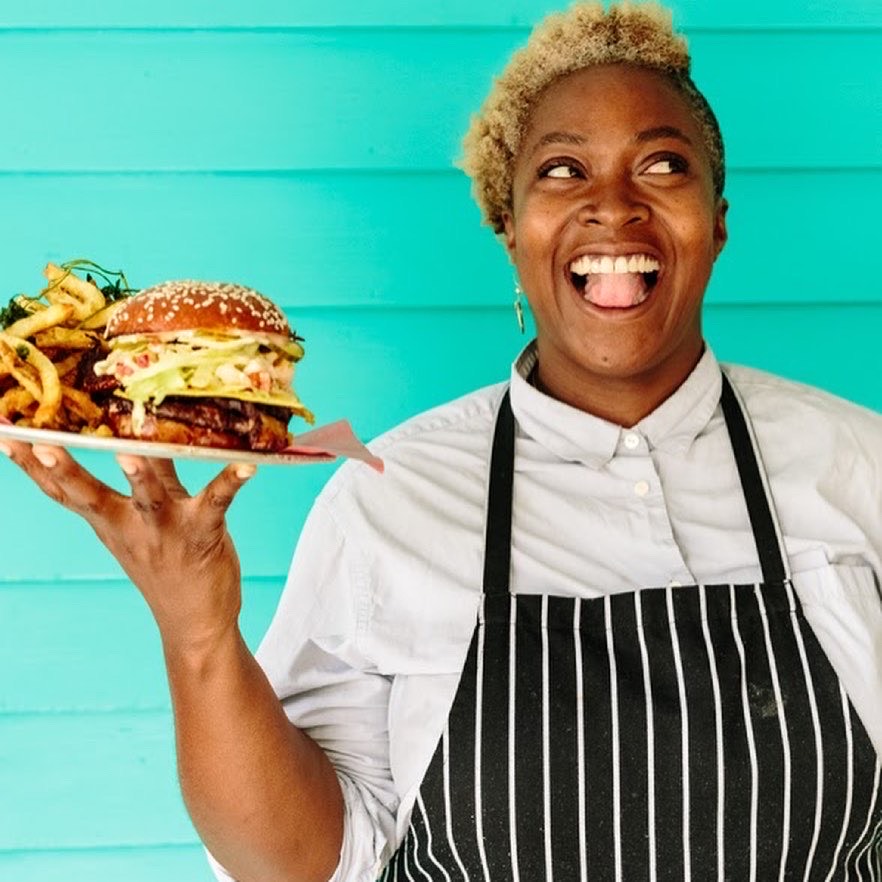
x=154, y=448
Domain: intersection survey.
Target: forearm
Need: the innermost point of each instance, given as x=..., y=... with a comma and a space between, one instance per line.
x=263, y=796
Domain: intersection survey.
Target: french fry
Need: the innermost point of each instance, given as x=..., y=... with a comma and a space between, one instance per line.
x=23, y=374
x=64, y=287
x=47, y=390
x=81, y=406
x=15, y=401
x=68, y=367
x=99, y=320
x=41, y=320
x=29, y=304
x=42, y=350
x=64, y=338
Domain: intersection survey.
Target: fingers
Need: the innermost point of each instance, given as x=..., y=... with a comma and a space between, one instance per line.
x=155, y=485
x=156, y=488
x=63, y=479
x=217, y=496
x=168, y=474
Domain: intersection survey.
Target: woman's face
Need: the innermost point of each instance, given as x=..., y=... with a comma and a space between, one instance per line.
x=614, y=229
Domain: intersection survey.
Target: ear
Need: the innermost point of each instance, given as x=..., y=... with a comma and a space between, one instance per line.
x=508, y=234
x=721, y=234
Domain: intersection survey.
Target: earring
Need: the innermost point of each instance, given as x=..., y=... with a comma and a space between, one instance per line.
x=518, y=305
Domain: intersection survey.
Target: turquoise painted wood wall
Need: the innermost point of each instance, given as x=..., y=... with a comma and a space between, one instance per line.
x=306, y=148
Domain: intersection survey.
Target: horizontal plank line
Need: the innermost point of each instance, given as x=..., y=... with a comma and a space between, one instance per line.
x=375, y=171
x=262, y=173
x=448, y=28
x=105, y=582
x=85, y=712
x=103, y=849
x=801, y=305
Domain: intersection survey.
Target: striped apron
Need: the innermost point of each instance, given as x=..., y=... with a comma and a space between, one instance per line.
x=688, y=733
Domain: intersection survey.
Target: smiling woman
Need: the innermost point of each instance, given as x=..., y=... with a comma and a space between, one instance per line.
x=595, y=622
x=613, y=168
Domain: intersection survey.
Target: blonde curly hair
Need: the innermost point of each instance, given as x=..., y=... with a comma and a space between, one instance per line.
x=639, y=34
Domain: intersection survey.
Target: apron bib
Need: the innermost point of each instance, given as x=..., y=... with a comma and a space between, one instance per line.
x=688, y=733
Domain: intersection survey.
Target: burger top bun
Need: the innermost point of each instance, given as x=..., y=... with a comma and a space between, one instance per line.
x=189, y=305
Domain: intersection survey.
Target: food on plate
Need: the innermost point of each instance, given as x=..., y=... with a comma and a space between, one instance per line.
x=199, y=363
x=46, y=340
x=35, y=374
x=186, y=362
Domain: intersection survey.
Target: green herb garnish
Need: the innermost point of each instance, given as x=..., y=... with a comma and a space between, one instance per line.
x=116, y=285
x=11, y=313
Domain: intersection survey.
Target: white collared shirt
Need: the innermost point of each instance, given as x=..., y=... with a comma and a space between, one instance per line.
x=371, y=632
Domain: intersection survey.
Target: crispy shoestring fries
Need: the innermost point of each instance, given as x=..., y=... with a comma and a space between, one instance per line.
x=47, y=318
x=24, y=360
x=84, y=298
x=45, y=339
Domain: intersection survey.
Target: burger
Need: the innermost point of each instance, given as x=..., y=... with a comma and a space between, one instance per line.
x=208, y=364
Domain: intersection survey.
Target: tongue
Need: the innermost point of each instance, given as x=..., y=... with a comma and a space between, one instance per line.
x=615, y=289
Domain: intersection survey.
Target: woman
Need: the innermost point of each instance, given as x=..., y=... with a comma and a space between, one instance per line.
x=672, y=664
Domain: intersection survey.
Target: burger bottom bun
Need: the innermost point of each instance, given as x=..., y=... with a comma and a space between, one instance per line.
x=223, y=423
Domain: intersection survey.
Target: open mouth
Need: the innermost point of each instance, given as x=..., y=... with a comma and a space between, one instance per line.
x=614, y=282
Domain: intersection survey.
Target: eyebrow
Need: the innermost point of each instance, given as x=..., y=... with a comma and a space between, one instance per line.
x=654, y=134
x=558, y=138
x=660, y=132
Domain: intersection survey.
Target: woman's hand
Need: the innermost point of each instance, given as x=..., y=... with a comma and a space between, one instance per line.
x=173, y=546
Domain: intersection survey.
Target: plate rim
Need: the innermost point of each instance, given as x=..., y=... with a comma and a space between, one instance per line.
x=156, y=449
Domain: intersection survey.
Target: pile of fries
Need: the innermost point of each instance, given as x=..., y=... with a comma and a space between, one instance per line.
x=41, y=351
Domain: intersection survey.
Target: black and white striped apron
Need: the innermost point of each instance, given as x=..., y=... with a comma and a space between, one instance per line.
x=690, y=733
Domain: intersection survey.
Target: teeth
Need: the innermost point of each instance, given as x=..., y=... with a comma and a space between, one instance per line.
x=631, y=263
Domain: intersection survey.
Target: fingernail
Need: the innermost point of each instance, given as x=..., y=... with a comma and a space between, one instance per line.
x=5, y=449
x=45, y=457
x=129, y=468
x=244, y=471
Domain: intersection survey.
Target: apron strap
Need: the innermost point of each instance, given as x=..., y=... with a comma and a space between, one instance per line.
x=497, y=545
x=756, y=495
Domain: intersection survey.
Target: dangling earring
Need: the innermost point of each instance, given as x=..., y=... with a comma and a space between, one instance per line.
x=518, y=305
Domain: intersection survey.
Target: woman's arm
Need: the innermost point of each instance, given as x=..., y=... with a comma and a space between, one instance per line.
x=263, y=796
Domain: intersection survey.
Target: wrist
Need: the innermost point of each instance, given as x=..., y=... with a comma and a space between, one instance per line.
x=198, y=649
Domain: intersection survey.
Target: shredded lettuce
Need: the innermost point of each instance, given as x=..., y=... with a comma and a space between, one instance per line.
x=187, y=365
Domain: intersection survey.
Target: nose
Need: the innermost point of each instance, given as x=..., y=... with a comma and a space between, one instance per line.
x=613, y=204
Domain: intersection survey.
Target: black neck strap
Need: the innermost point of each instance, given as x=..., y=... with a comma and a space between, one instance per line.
x=497, y=544
x=755, y=494
x=497, y=548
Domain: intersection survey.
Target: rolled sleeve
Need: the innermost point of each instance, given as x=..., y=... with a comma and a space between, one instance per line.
x=359, y=860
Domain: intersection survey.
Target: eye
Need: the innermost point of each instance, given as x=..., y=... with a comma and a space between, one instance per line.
x=560, y=168
x=667, y=165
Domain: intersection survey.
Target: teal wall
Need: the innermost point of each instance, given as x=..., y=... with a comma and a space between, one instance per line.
x=305, y=148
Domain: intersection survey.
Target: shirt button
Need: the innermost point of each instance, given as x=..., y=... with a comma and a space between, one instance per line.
x=632, y=441
x=641, y=488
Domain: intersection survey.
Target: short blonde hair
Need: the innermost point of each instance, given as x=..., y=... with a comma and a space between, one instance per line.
x=639, y=34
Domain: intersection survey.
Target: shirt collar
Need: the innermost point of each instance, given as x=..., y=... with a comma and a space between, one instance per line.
x=577, y=436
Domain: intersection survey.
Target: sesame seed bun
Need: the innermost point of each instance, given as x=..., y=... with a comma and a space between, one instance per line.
x=189, y=304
